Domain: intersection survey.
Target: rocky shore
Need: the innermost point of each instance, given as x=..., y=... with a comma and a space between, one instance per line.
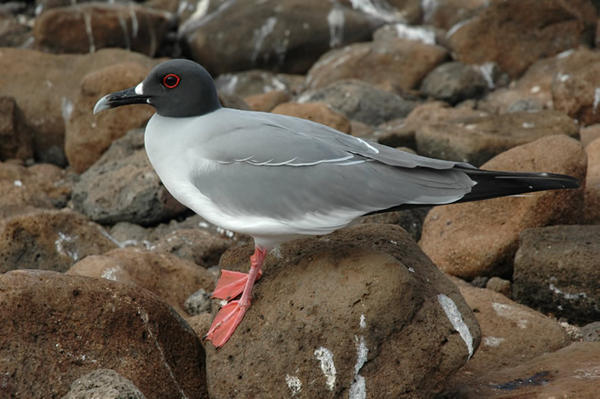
x=105, y=279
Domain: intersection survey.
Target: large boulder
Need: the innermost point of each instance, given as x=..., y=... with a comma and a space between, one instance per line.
x=481, y=237
x=15, y=136
x=359, y=310
x=592, y=183
x=74, y=325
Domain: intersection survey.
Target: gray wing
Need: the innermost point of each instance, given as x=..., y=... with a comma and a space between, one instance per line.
x=284, y=167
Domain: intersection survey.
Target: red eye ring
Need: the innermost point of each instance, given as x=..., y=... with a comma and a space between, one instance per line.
x=171, y=81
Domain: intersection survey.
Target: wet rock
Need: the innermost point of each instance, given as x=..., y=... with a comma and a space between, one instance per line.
x=321, y=323
x=575, y=89
x=592, y=184
x=361, y=101
x=317, y=112
x=49, y=239
x=55, y=90
x=249, y=83
x=446, y=14
x=87, y=135
x=453, y=82
x=265, y=102
x=289, y=35
x=557, y=269
x=195, y=245
x=169, y=277
x=510, y=333
x=520, y=37
x=103, y=383
x=569, y=371
x=476, y=140
x=83, y=28
x=15, y=137
x=394, y=65
x=37, y=186
x=481, y=237
x=123, y=187
x=75, y=325
x=402, y=132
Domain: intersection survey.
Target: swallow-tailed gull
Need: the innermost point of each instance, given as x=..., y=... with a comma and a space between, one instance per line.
x=277, y=177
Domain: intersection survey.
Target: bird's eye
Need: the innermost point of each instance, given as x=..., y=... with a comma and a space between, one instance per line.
x=171, y=81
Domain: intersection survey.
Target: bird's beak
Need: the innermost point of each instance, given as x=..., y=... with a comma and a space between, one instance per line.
x=123, y=97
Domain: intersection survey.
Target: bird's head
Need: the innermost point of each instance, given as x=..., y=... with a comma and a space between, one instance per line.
x=176, y=88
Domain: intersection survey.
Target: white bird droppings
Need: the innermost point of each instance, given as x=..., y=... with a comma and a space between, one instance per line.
x=596, y=98
x=109, y=273
x=59, y=243
x=293, y=383
x=456, y=320
x=492, y=341
x=325, y=356
x=358, y=389
x=363, y=321
x=415, y=33
x=511, y=313
x=18, y=183
x=335, y=20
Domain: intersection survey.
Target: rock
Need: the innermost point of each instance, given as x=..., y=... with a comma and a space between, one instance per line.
x=75, y=325
x=265, y=102
x=454, y=82
x=588, y=134
x=103, y=383
x=123, y=187
x=420, y=33
x=49, y=239
x=446, y=14
x=397, y=133
x=289, y=36
x=13, y=33
x=169, y=277
x=557, y=268
x=56, y=89
x=322, y=324
x=591, y=332
x=393, y=65
x=249, y=83
x=198, y=303
x=476, y=140
x=83, y=28
x=87, y=136
x=37, y=186
x=569, y=372
x=500, y=286
x=317, y=112
x=195, y=245
x=592, y=184
x=510, y=333
x=410, y=220
x=520, y=37
x=15, y=137
x=360, y=101
x=574, y=88
x=481, y=237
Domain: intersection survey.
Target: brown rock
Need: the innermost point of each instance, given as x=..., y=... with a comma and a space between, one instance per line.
x=592, y=184
x=317, y=112
x=363, y=301
x=194, y=245
x=267, y=101
x=567, y=373
x=454, y=82
x=392, y=65
x=588, y=134
x=513, y=36
x=169, y=277
x=476, y=140
x=481, y=238
x=87, y=136
x=447, y=13
x=74, y=325
x=557, y=269
x=103, y=383
x=13, y=33
x=500, y=286
x=53, y=240
x=510, y=333
x=249, y=83
x=55, y=90
x=15, y=137
x=83, y=28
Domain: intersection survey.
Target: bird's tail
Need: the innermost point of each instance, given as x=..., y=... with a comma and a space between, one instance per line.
x=492, y=184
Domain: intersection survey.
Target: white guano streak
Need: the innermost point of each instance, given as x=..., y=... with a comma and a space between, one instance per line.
x=325, y=356
x=456, y=320
x=335, y=20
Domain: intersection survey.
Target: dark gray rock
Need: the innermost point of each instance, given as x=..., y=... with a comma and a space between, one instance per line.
x=248, y=83
x=454, y=82
x=288, y=35
x=360, y=101
x=105, y=384
x=557, y=270
x=123, y=187
x=197, y=303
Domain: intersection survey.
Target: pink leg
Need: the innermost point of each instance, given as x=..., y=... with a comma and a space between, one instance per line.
x=230, y=315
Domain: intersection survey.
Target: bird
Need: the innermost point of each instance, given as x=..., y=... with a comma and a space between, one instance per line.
x=277, y=177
